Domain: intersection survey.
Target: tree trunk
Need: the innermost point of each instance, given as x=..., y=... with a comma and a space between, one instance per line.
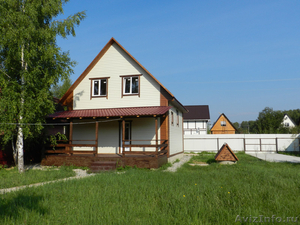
x=15, y=153
x=20, y=150
x=19, y=144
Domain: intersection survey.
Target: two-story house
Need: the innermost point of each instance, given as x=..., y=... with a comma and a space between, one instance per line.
x=117, y=108
x=195, y=122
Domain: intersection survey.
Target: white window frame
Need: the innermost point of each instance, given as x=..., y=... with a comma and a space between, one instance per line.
x=124, y=85
x=99, y=87
x=223, y=123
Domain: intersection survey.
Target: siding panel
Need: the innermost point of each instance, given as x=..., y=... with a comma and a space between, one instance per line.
x=114, y=64
x=176, y=133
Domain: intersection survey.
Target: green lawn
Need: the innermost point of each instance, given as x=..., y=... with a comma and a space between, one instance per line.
x=12, y=178
x=216, y=194
x=290, y=153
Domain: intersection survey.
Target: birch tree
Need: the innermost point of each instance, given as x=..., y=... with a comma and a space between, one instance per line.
x=30, y=63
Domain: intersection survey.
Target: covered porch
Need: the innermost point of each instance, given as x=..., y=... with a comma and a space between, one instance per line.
x=136, y=136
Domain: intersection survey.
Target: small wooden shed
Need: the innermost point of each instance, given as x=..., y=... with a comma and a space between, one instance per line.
x=226, y=154
x=223, y=126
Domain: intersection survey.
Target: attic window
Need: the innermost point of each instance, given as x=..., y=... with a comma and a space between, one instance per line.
x=223, y=123
x=99, y=87
x=131, y=85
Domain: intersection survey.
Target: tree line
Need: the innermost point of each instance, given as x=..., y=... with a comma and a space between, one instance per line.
x=270, y=121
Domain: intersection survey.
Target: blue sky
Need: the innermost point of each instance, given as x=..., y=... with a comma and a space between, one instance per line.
x=235, y=56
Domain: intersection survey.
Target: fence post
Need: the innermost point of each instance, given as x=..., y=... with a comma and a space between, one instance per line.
x=276, y=145
x=217, y=144
x=244, y=144
x=260, y=143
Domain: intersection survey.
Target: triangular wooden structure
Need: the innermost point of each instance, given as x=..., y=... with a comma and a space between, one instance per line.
x=226, y=154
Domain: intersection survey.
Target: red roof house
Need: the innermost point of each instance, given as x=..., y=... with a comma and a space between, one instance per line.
x=117, y=108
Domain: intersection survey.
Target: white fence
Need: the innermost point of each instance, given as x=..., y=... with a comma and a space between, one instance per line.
x=242, y=142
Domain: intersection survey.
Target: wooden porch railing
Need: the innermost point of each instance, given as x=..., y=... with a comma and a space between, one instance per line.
x=66, y=148
x=160, y=149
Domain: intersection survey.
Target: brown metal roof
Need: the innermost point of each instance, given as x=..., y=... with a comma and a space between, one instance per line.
x=113, y=112
x=197, y=112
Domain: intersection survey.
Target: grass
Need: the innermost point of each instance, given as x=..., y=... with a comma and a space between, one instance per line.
x=12, y=178
x=290, y=153
x=215, y=194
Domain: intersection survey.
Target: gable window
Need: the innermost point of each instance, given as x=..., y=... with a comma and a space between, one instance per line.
x=177, y=113
x=131, y=85
x=172, y=118
x=99, y=87
x=223, y=123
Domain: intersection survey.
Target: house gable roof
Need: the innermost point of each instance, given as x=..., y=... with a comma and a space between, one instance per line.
x=222, y=115
x=197, y=112
x=112, y=41
x=286, y=115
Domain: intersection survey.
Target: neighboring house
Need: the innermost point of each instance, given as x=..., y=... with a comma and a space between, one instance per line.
x=287, y=122
x=117, y=108
x=223, y=126
x=195, y=122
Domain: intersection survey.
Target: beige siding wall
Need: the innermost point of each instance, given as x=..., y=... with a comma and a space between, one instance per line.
x=144, y=129
x=114, y=64
x=175, y=132
x=83, y=131
x=109, y=135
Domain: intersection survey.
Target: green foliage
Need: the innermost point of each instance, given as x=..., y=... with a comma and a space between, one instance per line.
x=165, y=166
x=31, y=62
x=58, y=90
x=54, y=138
x=269, y=121
x=176, y=161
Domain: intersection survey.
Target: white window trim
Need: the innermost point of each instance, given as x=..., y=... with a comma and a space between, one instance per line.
x=99, y=87
x=124, y=85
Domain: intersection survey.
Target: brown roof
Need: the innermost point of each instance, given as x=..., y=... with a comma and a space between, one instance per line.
x=197, y=112
x=113, y=112
x=97, y=58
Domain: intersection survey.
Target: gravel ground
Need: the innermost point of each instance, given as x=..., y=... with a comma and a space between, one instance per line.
x=176, y=165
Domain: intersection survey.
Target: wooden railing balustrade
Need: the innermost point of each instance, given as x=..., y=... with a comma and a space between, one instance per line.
x=66, y=147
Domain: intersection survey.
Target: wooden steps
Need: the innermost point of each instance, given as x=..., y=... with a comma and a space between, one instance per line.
x=99, y=166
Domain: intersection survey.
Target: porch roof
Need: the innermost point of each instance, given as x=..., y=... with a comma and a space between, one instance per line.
x=112, y=112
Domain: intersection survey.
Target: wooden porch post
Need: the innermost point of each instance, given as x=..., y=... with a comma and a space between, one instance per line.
x=70, y=136
x=156, y=137
x=96, y=140
x=123, y=137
